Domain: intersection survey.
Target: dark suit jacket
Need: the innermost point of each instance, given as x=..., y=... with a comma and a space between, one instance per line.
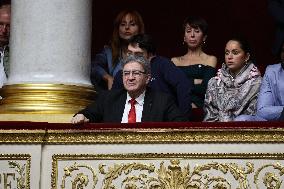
x=109, y=107
x=276, y=9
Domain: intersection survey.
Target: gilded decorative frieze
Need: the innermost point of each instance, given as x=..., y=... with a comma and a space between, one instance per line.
x=22, y=136
x=167, y=136
x=15, y=171
x=168, y=171
x=138, y=136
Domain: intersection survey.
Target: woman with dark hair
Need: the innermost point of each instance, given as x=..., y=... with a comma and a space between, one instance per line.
x=234, y=90
x=107, y=63
x=270, y=104
x=196, y=64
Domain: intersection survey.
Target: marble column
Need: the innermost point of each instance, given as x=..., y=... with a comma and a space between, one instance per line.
x=50, y=52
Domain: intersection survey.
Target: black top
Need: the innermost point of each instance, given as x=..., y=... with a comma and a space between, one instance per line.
x=199, y=71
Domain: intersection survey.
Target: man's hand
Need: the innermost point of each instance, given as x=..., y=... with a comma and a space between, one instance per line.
x=79, y=119
x=109, y=79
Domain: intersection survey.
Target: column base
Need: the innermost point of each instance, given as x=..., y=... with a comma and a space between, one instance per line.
x=43, y=102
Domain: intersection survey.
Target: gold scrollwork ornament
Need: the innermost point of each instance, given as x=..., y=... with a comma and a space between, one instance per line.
x=81, y=180
x=174, y=177
x=270, y=180
x=21, y=171
x=118, y=170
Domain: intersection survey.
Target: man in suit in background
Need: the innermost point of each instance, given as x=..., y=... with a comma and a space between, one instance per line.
x=276, y=10
x=5, y=17
x=135, y=102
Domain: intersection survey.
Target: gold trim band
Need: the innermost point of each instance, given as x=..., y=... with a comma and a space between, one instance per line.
x=44, y=98
x=152, y=136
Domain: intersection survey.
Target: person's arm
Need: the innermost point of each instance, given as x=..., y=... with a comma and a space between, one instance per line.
x=173, y=113
x=117, y=82
x=3, y=78
x=182, y=85
x=99, y=67
x=281, y=118
x=109, y=80
x=250, y=97
x=208, y=73
x=276, y=10
x=94, y=112
x=211, y=112
x=266, y=107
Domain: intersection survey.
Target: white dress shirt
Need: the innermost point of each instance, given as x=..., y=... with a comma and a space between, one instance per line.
x=138, y=108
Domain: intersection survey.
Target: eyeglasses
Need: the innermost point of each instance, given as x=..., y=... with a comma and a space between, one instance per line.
x=4, y=26
x=139, y=54
x=135, y=73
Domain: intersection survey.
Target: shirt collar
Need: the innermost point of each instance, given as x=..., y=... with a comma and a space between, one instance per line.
x=139, y=99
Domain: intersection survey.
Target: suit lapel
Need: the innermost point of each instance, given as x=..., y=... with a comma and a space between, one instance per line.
x=147, y=107
x=118, y=106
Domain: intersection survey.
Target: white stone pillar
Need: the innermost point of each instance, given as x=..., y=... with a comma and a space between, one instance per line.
x=50, y=55
x=50, y=41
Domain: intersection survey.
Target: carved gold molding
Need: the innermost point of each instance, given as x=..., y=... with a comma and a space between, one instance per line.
x=132, y=136
x=138, y=136
x=23, y=171
x=22, y=136
x=169, y=173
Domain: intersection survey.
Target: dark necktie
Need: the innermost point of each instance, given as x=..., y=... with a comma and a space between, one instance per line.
x=132, y=111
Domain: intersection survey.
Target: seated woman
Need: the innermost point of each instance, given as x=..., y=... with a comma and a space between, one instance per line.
x=196, y=64
x=107, y=63
x=271, y=96
x=234, y=90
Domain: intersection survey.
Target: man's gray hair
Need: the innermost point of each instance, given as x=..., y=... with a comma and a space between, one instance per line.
x=145, y=63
